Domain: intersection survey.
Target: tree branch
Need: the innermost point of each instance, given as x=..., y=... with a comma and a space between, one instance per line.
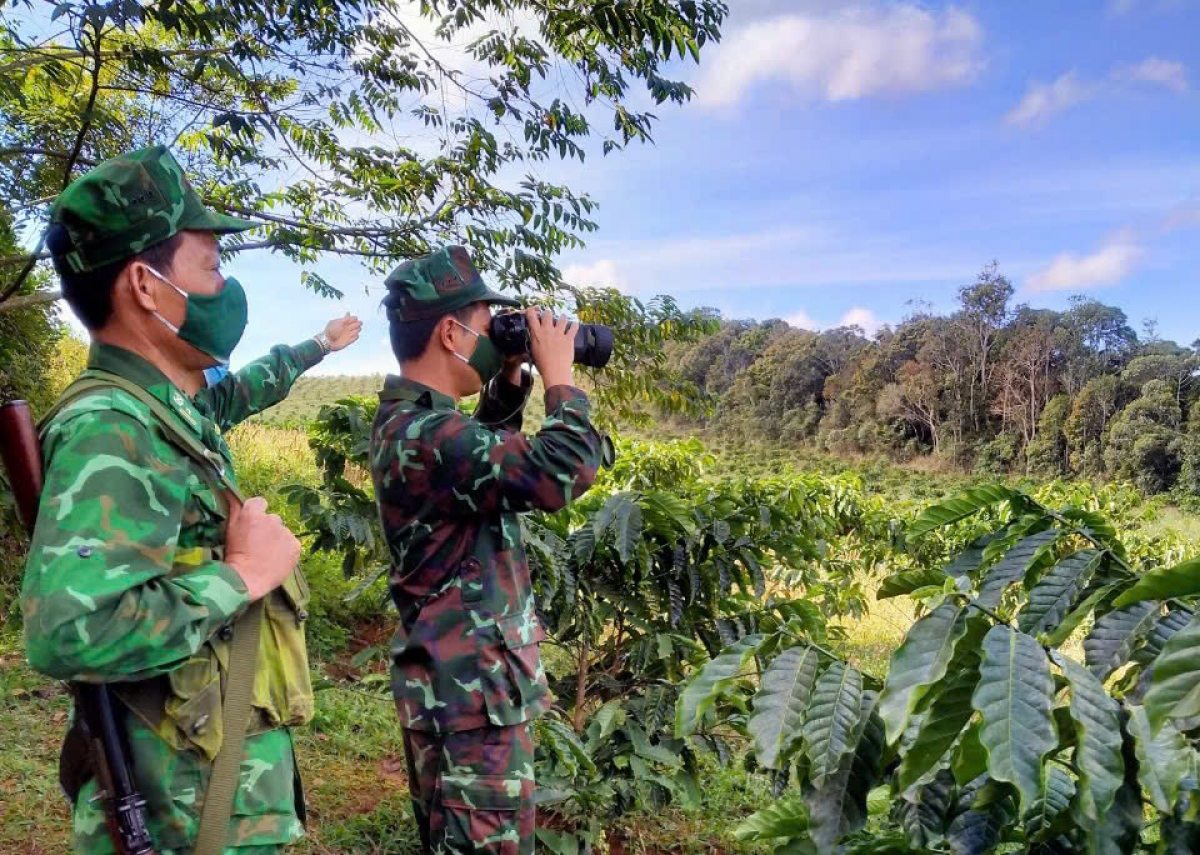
x=86, y=125
x=44, y=152
x=25, y=301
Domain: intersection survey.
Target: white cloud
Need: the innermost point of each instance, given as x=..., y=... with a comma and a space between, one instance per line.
x=856, y=52
x=1162, y=72
x=1110, y=263
x=863, y=318
x=599, y=274
x=1046, y=99
x=802, y=321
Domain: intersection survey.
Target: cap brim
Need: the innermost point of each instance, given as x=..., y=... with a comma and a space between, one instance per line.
x=495, y=298
x=221, y=224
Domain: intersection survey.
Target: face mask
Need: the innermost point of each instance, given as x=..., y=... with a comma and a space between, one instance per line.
x=486, y=360
x=213, y=323
x=214, y=375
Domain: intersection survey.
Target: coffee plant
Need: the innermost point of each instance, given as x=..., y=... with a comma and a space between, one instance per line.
x=1048, y=701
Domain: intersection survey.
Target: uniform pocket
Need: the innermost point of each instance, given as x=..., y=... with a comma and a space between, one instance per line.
x=284, y=689
x=195, y=705
x=511, y=670
x=492, y=813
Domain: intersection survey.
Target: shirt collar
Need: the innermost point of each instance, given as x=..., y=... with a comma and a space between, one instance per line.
x=396, y=388
x=125, y=363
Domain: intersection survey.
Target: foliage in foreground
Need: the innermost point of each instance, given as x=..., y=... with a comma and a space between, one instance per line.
x=987, y=732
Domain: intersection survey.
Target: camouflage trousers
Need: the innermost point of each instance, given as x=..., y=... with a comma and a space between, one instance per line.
x=472, y=790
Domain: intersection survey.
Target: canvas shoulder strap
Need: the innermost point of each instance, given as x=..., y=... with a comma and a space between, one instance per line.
x=243, y=649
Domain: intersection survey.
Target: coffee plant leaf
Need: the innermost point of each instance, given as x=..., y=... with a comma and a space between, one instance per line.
x=899, y=584
x=1046, y=815
x=949, y=711
x=920, y=661
x=1028, y=554
x=959, y=508
x=1175, y=692
x=781, y=703
x=788, y=817
x=1111, y=641
x=710, y=682
x=1164, y=758
x=1098, y=758
x=1164, y=583
x=839, y=806
x=1014, y=697
x=832, y=721
x=1057, y=590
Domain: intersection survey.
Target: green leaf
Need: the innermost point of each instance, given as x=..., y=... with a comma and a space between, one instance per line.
x=949, y=711
x=1165, y=583
x=899, y=584
x=1175, y=692
x=1042, y=818
x=1111, y=641
x=558, y=842
x=710, y=682
x=1098, y=757
x=781, y=702
x=1015, y=564
x=1071, y=622
x=1159, y=634
x=1119, y=828
x=839, y=806
x=974, y=832
x=1164, y=758
x=1014, y=697
x=970, y=758
x=922, y=811
x=1057, y=590
x=831, y=723
x=629, y=531
x=605, y=723
x=786, y=818
x=959, y=508
x=920, y=661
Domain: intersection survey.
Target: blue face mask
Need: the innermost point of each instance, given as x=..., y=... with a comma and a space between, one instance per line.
x=214, y=375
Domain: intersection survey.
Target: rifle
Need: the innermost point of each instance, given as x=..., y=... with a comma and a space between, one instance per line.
x=124, y=807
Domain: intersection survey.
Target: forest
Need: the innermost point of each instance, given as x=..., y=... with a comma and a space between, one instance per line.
x=995, y=387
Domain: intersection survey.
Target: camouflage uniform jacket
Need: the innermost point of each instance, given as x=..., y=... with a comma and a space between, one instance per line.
x=124, y=585
x=449, y=488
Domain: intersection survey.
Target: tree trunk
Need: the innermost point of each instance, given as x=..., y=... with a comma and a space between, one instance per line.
x=580, y=688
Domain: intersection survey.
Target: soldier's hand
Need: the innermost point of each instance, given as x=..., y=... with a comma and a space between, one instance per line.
x=343, y=332
x=260, y=548
x=552, y=346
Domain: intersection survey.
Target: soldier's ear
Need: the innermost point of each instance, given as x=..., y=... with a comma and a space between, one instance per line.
x=140, y=285
x=447, y=332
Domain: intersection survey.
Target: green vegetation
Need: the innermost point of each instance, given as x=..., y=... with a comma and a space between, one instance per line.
x=992, y=387
x=310, y=394
x=839, y=545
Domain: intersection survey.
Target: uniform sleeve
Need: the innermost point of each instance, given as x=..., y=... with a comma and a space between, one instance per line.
x=98, y=601
x=503, y=404
x=261, y=384
x=463, y=468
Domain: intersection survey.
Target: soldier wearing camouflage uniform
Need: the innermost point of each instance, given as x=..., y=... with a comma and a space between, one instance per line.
x=141, y=562
x=466, y=674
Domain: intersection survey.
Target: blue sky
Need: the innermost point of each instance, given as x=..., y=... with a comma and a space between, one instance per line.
x=842, y=159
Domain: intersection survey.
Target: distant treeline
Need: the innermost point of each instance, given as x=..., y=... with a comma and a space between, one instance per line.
x=994, y=386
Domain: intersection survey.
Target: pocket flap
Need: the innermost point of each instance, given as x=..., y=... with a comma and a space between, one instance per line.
x=486, y=792
x=520, y=630
x=199, y=719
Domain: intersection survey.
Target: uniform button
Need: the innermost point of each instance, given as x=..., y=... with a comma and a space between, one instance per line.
x=302, y=616
x=473, y=564
x=84, y=552
x=198, y=726
x=225, y=633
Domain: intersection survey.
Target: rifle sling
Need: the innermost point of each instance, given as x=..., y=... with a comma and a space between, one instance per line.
x=243, y=649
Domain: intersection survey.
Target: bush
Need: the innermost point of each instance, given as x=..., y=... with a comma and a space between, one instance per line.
x=998, y=456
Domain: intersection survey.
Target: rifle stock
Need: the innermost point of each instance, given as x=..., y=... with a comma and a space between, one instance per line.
x=125, y=809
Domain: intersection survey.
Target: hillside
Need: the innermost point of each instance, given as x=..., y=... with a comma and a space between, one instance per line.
x=311, y=393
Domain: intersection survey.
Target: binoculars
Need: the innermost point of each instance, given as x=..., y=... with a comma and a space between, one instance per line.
x=509, y=332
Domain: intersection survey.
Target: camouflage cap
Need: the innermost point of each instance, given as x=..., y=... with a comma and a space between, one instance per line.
x=129, y=203
x=434, y=284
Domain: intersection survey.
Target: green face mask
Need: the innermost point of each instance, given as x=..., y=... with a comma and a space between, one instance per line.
x=486, y=360
x=214, y=323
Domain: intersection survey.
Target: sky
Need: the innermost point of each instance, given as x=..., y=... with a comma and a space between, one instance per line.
x=842, y=159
